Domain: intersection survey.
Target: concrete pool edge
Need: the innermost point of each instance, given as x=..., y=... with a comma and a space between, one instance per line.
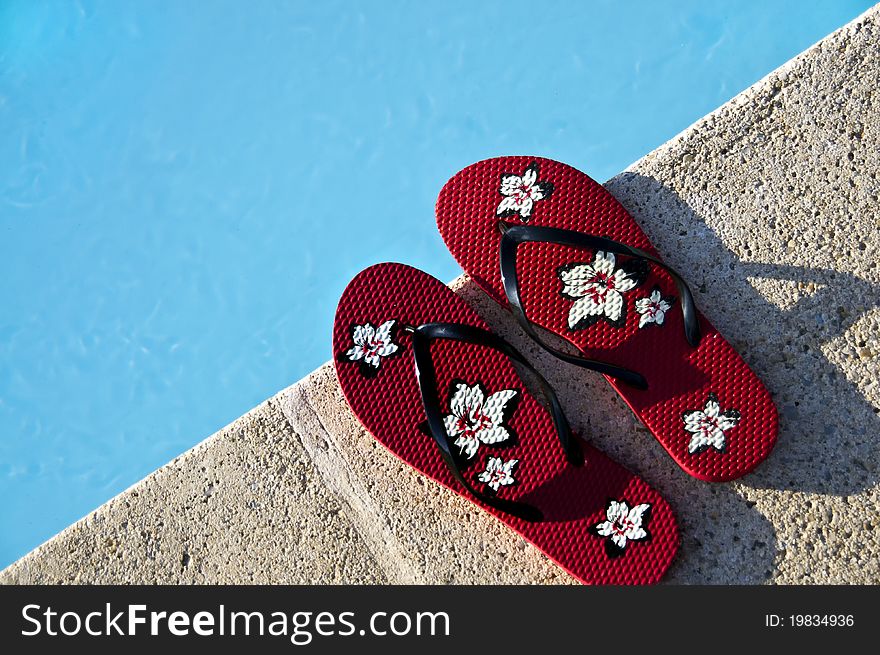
x=294, y=491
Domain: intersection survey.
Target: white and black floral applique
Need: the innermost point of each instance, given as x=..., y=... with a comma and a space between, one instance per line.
x=709, y=425
x=371, y=346
x=622, y=525
x=477, y=418
x=653, y=308
x=498, y=473
x=521, y=192
x=598, y=287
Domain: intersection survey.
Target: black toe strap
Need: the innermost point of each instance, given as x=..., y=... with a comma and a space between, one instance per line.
x=514, y=235
x=427, y=377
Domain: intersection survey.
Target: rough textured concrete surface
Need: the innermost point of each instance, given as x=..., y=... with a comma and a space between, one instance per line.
x=769, y=207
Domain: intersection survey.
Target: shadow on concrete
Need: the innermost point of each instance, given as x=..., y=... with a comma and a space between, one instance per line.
x=829, y=432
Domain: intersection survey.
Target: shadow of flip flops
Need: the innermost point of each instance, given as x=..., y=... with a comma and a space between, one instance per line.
x=829, y=432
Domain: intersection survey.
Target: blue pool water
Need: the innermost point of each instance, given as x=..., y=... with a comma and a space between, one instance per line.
x=185, y=188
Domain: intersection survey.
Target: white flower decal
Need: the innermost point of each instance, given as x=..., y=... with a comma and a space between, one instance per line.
x=653, y=308
x=371, y=345
x=597, y=289
x=498, y=473
x=707, y=427
x=522, y=192
x=623, y=524
x=476, y=418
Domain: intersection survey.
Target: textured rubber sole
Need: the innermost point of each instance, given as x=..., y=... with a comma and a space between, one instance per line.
x=601, y=523
x=704, y=405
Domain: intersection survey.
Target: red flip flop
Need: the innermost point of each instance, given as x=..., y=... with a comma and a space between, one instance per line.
x=554, y=246
x=426, y=377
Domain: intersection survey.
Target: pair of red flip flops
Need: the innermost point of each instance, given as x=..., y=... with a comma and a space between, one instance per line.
x=427, y=378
